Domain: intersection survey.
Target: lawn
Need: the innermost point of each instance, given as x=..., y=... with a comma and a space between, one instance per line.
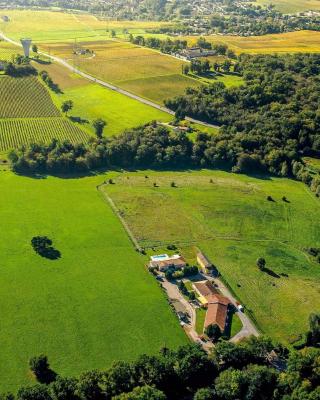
x=95, y=304
x=229, y=217
x=292, y=6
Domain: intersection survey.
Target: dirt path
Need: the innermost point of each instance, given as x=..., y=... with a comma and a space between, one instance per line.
x=109, y=85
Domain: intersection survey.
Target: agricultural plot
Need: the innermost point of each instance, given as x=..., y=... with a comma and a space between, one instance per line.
x=93, y=305
x=7, y=50
x=292, y=6
x=42, y=26
x=25, y=98
x=16, y=132
x=27, y=114
x=290, y=42
x=229, y=217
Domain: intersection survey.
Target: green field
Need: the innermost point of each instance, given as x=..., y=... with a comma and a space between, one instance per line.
x=27, y=114
x=95, y=304
x=231, y=220
x=7, y=50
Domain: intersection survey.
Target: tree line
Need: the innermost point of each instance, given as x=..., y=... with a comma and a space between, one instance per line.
x=254, y=369
x=269, y=123
x=155, y=146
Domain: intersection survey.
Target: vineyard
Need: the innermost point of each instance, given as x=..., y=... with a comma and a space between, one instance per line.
x=15, y=132
x=25, y=98
x=7, y=50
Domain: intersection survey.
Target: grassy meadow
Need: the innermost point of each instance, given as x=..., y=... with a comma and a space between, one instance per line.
x=95, y=304
x=232, y=221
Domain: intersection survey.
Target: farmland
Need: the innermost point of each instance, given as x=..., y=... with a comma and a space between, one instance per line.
x=95, y=304
x=25, y=97
x=290, y=42
x=229, y=218
x=7, y=50
x=292, y=6
x=28, y=114
x=15, y=132
x=42, y=26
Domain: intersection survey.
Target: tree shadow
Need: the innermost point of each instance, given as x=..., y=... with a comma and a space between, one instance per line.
x=47, y=376
x=78, y=120
x=271, y=273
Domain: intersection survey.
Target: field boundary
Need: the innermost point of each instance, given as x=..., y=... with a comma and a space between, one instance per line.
x=116, y=211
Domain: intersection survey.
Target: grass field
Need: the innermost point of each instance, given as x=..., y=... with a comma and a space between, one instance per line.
x=231, y=220
x=292, y=6
x=95, y=304
x=28, y=114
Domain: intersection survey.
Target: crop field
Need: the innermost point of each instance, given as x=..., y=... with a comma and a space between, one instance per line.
x=42, y=26
x=290, y=42
x=15, y=132
x=28, y=114
x=25, y=97
x=292, y=6
x=7, y=50
x=229, y=217
x=93, y=305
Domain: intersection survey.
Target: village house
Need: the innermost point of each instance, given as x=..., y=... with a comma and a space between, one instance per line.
x=164, y=262
x=196, y=52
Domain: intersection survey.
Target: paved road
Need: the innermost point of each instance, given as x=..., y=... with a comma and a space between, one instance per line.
x=248, y=329
x=106, y=84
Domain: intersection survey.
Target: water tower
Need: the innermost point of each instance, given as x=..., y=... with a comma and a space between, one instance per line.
x=26, y=43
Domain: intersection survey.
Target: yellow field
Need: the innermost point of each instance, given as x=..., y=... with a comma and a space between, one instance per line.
x=292, y=6
x=290, y=42
x=59, y=26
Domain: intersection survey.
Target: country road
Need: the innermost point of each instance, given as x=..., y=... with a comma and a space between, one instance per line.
x=108, y=85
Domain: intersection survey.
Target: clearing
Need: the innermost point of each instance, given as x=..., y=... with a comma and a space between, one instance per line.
x=232, y=221
x=292, y=6
x=95, y=304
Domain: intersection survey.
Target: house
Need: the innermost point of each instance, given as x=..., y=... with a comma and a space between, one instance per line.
x=164, y=262
x=216, y=304
x=217, y=311
x=1, y=65
x=204, y=262
x=196, y=52
x=204, y=289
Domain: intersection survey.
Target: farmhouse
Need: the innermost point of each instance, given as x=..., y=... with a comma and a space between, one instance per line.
x=216, y=304
x=163, y=262
x=204, y=262
x=196, y=52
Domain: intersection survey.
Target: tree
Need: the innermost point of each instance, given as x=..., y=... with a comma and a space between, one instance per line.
x=89, y=386
x=67, y=106
x=39, y=365
x=35, y=48
x=261, y=263
x=99, y=125
x=35, y=392
x=64, y=389
x=313, y=336
x=142, y=393
x=113, y=33
x=213, y=331
x=204, y=394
